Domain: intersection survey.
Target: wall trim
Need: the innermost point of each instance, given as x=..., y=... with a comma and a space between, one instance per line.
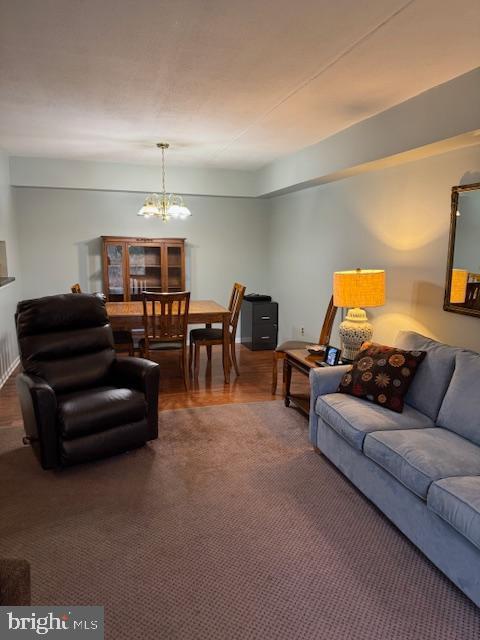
x=9, y=371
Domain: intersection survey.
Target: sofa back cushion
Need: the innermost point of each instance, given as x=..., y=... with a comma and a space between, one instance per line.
x=460, y=410
x=428, y=389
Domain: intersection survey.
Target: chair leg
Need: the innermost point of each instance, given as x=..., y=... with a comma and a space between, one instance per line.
x=190, y=355
x=208, y=325
x=185, y=368
x=234, y=357
x=196, y=361
x=274, y=373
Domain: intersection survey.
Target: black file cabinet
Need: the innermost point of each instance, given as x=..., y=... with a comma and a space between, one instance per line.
x=259, y=325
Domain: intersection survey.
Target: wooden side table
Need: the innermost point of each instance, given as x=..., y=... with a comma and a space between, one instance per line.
x=302, y=361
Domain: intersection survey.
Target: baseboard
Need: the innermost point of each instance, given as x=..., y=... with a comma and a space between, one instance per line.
x=9, y=371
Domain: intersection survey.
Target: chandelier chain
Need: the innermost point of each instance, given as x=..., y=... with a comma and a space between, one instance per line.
x=163, y=172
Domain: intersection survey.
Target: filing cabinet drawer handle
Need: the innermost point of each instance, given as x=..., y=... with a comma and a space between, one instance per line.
x=265, y=317
x=265, y=338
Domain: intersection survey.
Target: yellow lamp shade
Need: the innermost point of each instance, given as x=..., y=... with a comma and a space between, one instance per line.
x=359, y=288
x=458, y=289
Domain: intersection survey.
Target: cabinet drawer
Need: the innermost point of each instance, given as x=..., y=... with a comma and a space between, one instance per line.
x=264, y=336
x=262, y=343
x=264, y=330
x=267, y=312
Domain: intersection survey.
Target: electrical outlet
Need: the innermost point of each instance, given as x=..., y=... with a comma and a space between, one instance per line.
x=302, y=331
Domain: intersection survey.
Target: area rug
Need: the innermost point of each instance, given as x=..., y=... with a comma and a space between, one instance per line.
x=228, y=527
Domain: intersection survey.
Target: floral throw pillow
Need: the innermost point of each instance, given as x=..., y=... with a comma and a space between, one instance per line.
x=382, y=375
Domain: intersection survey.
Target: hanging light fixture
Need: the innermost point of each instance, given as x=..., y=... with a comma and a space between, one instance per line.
x=163, y=206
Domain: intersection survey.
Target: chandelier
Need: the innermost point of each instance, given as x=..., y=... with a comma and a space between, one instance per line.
x=164, y=206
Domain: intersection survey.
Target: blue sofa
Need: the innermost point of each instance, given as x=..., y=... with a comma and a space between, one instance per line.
x=420, y=467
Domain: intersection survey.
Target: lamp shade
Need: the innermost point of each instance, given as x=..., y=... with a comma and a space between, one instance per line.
x=359, y=288
x=458, y=289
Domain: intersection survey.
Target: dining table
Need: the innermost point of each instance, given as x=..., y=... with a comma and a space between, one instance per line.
x=125, y=316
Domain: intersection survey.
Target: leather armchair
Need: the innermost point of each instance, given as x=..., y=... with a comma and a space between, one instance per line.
x=79, y=400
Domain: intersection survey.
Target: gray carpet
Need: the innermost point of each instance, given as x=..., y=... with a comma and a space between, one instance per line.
x=228, y=527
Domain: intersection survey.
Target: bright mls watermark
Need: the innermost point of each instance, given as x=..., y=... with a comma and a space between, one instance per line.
x=51, y=622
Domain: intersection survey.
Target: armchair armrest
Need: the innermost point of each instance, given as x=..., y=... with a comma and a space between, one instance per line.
x=322, y=381
x=39, y=410
x=142, y=375
x=136, y=373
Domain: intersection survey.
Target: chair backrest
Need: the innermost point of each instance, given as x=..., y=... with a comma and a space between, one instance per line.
x=472, y=298
x=66, y=340
x=165, y=316
x=235, y=305
x=326, y=331
x=75, y=288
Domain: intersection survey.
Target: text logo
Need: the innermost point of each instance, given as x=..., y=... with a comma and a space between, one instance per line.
x=51, y=622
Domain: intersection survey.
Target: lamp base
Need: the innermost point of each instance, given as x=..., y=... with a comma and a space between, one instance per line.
x=354, y=331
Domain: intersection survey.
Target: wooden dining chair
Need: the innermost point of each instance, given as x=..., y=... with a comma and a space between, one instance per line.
x=165, y=325
x=209, y=336
x=279, y=353
x=123, y=340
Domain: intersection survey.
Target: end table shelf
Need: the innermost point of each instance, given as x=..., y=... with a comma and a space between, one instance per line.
x=302, y=361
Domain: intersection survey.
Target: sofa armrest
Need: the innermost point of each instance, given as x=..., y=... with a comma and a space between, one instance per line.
x=142, y=375
x=14, y=583
x=326, y=380
x=39, y=410
x=322, y=381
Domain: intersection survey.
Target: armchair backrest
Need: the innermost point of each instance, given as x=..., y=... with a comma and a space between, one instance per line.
x=66, y=340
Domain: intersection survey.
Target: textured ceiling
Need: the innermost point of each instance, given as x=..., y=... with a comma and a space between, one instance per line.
x=229, y=83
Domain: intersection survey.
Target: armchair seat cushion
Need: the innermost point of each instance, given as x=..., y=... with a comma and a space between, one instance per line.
x=353, y=418
x=93, y=410
x=418, y=457
x=457, y=501
x=206, y=334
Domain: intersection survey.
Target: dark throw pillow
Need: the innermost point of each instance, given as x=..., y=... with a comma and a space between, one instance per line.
x=382, y=375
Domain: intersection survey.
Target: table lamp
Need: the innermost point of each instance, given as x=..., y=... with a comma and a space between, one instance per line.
x=356, y=289
x=458, y=288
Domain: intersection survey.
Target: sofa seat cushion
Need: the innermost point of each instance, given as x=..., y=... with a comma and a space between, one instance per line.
x=352, y=418
x=94, y=410
x=457, y=501
x=418, y=457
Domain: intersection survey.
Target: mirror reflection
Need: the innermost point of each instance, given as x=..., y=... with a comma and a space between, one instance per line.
x=463, y=275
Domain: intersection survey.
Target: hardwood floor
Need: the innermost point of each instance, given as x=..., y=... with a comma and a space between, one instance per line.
x=253, y=384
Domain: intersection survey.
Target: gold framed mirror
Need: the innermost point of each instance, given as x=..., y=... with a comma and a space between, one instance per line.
x=462, y=284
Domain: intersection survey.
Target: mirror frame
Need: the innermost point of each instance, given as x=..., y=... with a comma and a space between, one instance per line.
x=447, y=305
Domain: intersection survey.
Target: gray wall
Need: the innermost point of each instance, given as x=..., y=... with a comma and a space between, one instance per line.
x=395, y=219
x=60, y=230
x=10, y=293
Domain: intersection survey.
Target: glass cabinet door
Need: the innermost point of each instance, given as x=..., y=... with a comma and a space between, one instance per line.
x=174, y=269
x=115, y=272
x=145, y=270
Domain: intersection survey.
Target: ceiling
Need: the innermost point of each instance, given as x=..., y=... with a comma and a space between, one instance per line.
x=228, y=83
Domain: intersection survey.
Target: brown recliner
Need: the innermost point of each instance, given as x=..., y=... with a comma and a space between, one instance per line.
x=79, y=400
